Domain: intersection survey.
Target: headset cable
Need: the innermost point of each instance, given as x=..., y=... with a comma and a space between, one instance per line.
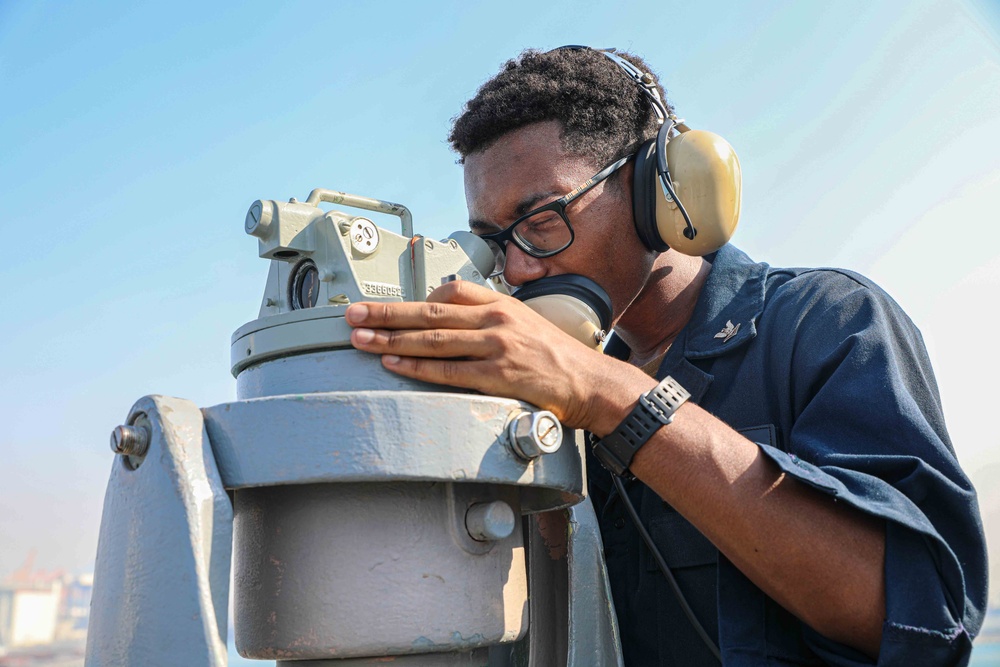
x=685, y=607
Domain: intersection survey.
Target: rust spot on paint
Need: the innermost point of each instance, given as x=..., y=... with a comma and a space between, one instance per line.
x=279, y=567
x=308, y=640
x=485, y=411
x=553, y=528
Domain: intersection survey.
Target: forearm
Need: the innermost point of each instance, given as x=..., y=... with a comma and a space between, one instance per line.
x=821, y=560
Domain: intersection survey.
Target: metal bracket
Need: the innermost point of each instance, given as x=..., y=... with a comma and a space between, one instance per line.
x=161, y=585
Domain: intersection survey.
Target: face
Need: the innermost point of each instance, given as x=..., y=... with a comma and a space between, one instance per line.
x=528, y=168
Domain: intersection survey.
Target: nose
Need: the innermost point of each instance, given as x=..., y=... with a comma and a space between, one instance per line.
x=522, y=267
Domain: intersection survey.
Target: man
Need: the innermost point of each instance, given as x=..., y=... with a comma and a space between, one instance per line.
x=840, y=531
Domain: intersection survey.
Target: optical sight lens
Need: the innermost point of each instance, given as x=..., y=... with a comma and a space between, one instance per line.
x=305, y=285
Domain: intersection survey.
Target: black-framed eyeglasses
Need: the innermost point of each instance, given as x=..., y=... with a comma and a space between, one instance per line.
x=546, y=230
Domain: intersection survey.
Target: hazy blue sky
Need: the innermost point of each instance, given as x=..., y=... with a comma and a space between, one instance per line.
x=133, y=137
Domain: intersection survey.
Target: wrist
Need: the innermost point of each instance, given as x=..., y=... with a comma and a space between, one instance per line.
x=654, y=410
x=615, y=390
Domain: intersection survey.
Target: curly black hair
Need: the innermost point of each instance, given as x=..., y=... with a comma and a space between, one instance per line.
x=603, y=113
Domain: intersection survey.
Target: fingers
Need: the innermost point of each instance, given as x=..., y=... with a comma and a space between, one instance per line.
x=454, y=338
x=408, y=315
x=433, y=343
x=446, y=308
x=467, y=374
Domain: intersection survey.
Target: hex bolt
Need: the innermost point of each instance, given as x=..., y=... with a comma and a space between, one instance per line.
x=490, y=521
x=531, y=434
x=130, y=440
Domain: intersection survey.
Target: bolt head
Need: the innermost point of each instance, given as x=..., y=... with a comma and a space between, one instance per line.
x=532, y=434
x=490, y=521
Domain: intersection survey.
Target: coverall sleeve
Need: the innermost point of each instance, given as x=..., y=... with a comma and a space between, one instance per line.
x=867, y=428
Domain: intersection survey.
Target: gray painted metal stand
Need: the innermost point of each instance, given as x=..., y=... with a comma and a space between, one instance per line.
x=163, y=560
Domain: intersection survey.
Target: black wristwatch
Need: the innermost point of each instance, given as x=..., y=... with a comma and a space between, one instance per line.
x=656, y=408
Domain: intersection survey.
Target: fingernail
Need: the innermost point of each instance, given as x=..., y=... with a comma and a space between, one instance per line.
x=356, y=313
x=390, y=359
x=364, y=335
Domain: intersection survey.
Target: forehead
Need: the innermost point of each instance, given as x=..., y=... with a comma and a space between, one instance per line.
x=523, y=168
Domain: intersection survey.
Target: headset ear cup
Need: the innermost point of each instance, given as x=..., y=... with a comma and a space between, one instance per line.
x=706, y=176
x=644, y=200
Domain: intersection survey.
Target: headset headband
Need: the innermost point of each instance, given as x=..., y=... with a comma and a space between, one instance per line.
x=668, y=123
x=645, y=80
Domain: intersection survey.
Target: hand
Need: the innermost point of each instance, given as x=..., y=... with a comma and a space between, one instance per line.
x=468, y=336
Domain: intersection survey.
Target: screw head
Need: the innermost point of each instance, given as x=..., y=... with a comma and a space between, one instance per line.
x=258, y=220
x=548, y=431
x=364, y=236
x=253, y=215
x=130, y=440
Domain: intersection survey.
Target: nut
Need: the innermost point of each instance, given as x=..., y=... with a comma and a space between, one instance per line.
x=532, y=434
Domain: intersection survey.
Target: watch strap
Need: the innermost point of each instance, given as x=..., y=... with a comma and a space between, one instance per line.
x=655, y=408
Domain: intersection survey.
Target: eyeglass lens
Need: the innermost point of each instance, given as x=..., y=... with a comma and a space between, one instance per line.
x=540, y=235
x=543, y=233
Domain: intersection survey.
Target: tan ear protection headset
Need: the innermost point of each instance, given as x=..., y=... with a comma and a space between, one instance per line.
x=687, y=183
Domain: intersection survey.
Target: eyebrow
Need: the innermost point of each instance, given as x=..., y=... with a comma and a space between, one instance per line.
x=482, y=226
x=522, y=207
